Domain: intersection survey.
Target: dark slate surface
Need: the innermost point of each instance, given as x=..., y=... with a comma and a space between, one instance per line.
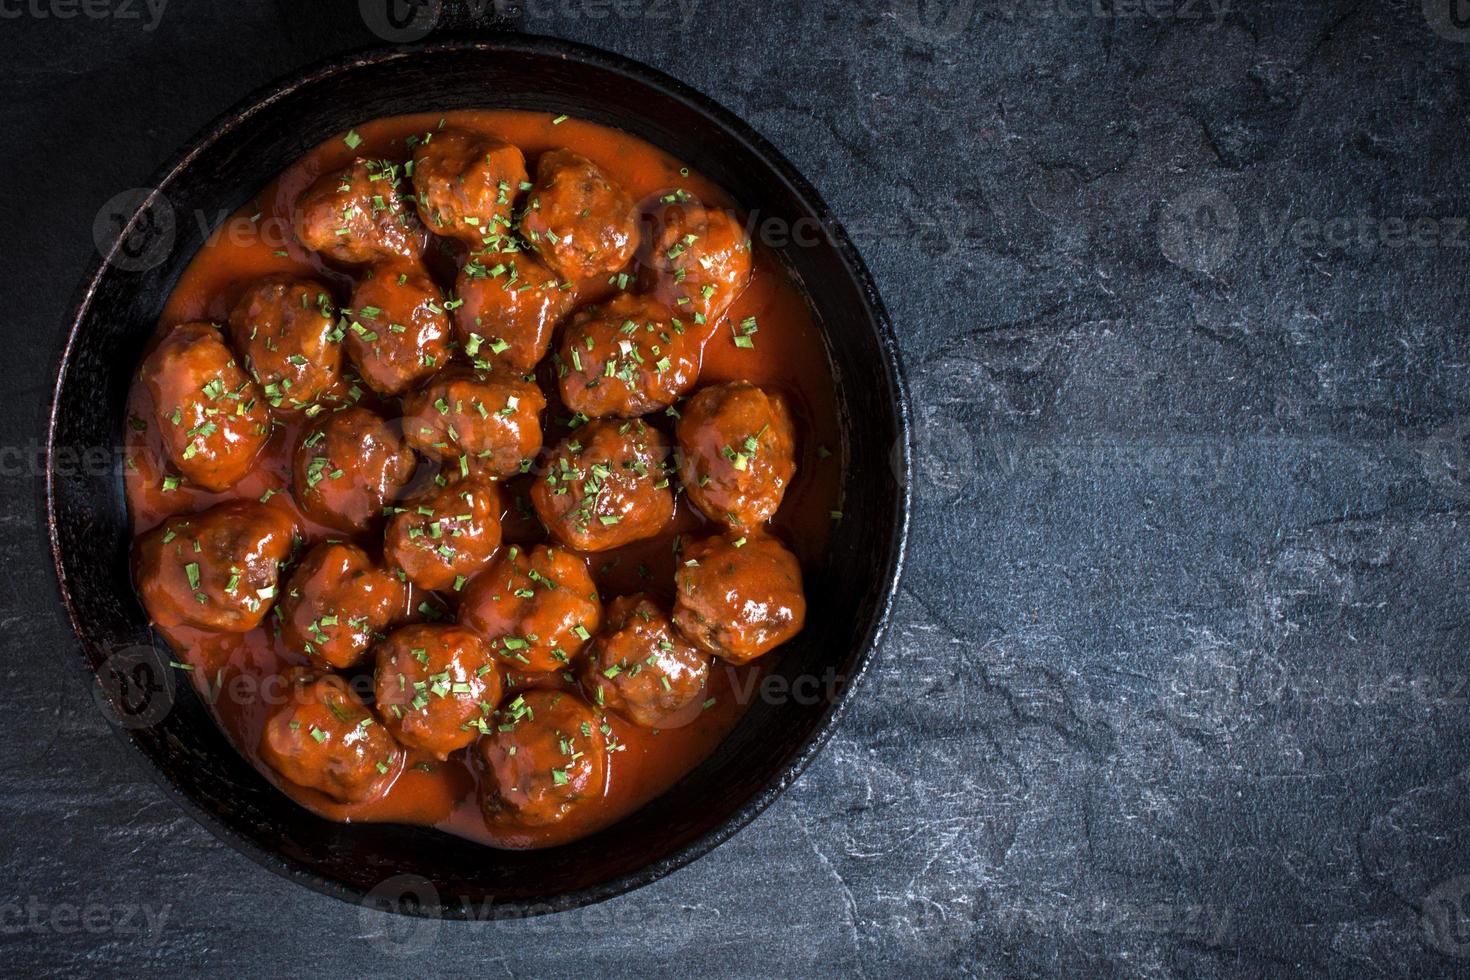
x=1178, y=684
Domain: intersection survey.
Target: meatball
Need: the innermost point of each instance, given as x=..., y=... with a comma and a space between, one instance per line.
x=700, y=261
x=466, y=184
x=217, y=569
x=545, y=756
x=285, y=328
x=640, y=666
x=738, y=597
x=605, y=486
x=626, y=357
x=490, y=419
x=323, y=738
x=535, y=608
x=737, y=452
x=212, y=418
x=337, y=603
x=577, y=218
x=435, y=687
x=399, y=330
x=509, y=305
x=356, y=215
x=442, y=537
x=348, y=464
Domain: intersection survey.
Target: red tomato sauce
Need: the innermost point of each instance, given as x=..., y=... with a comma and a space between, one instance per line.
x=231, y=671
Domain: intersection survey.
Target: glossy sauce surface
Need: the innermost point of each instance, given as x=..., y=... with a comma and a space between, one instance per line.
x=239, y=673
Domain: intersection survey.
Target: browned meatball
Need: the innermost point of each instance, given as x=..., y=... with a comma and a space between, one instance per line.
x=640, y=666
x=211, y=416
x=536, y=607
x=356, y=215
x=509, y=305
x=737, y=452
x=738, y=597
x=442, y=537
x=348, y=464
x=286, y=329
x=217, y=569
x=323, y=738
x=466, y=184
x=545, y=756
x=700, y=261
x=491, y=419
x=605, y=486
x=337, y=603
x=398, y=330
x=580, y=221
x=435, y=687
x=626, y=357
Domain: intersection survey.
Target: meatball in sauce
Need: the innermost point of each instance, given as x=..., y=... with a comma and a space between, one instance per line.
x=465, y=185
x=580, y=220
x=216, y=570
x=357, y=215
x=625, y=358
x=490, y=420
x=322, y=737
x=544, y=759
x=699, y=260
x=434, y=687
x=337, y=603
x=535, y=607
x=443, y=536
x=738, y=597
x=605, y=486
x=286, y=329
x=737, y=452
x=211, y=416
x=348, y=465
x=398, y=333
x=642, y=668
x=509, y=306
